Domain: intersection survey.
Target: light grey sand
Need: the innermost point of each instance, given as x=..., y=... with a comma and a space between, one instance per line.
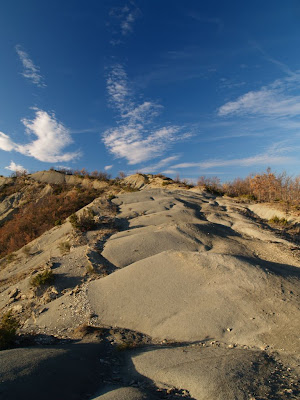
x=188, y=268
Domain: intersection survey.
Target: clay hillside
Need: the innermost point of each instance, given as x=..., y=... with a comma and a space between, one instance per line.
x=143, y=287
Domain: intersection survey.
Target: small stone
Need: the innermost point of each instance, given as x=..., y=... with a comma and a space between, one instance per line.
x=14, y=293
x=17, y=308
x=229, y=329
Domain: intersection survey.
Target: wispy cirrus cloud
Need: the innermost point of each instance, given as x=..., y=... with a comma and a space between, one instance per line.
x=279, y=99
x=30, y=70
x=122, y=21
x=207, y=20
x=274, y=155
x=284, y=67
x=159, y=165
x=15, y=167
x=135, y=138
x=51, y=139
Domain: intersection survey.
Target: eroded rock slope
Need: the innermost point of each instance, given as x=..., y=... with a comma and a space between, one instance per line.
x=217, y=294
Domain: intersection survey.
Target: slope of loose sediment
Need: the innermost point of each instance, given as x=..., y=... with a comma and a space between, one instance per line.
x=192, y=267
x=200, y=277
x=188, y=296
x=50, y=372
x=214, y=373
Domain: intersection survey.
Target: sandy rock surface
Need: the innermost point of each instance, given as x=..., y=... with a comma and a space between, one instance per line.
x=208, y=295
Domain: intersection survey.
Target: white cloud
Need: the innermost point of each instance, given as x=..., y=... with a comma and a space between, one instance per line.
x=118, y=90
x=158, y=166
x=31, y=71
x=52, y=138
x=261, y=159
x=273, y=155
x=143, y=112
x=125, y=18
x=275, y=100
x=6, y=143
x=63, y=168
x=285, y=68
x=15, y=168
x=134, y=138
x=108, y=167
x=128, y=141
x=170, y=172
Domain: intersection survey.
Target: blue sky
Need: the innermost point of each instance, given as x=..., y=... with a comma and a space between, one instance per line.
x=179, y=87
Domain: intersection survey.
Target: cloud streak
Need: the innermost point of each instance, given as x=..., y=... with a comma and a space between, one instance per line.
x=134, y=138
x=277, y=100
x=285, y=68
x=160, y=165
x=273, y=155
x=123, y=19
x=30, y=70
x=51, y=137
x=207, y=20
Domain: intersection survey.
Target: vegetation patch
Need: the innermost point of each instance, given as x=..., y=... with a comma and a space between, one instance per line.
x=27, y=250
x=278, y=221
x=64, y=247
x=127, y=345
x=10, y=258
x=35, y=218
x=8, y=328
x=84, y=222
x=45, y=278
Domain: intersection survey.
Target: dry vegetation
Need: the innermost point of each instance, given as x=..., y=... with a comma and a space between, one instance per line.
x=33, y=219
x=44, y=278
x=37, y=215
x=8, y=328
x=264, y=187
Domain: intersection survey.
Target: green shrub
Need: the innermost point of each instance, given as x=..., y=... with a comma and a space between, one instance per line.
x=27, y=250
x=10, y=258
x=64, y=247
x=278, y=221
x=8, y=328
x=84, y=222
x=248, y=197
x=128, y=188
x=45, y=278
x=126, y=345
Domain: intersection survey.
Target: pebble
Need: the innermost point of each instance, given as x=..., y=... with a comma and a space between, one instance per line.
x=14, y=293
x=17, y=308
